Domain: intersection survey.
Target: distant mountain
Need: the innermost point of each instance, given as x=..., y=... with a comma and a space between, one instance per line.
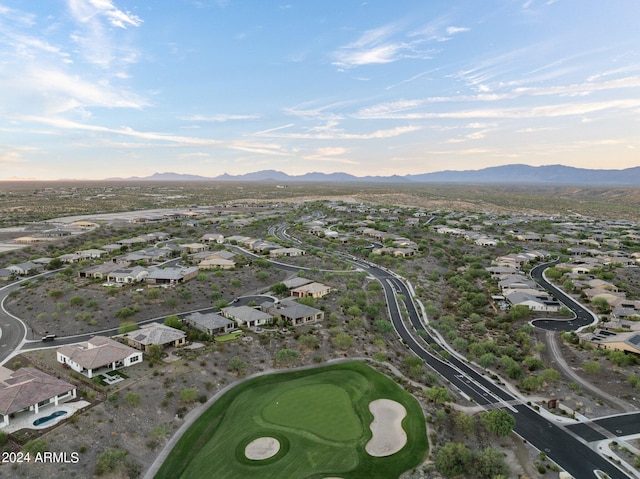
x=525, y=174
x=508, y=174
x=163, y=177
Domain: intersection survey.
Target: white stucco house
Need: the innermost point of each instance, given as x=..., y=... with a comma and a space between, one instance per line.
x=98, y=353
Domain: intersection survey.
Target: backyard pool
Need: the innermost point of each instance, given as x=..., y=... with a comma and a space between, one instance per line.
x=42, y=420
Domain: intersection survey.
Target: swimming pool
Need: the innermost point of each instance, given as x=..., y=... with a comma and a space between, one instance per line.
x=50, y=417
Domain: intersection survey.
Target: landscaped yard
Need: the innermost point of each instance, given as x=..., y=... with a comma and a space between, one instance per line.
x=314, y=423
x=229, y=337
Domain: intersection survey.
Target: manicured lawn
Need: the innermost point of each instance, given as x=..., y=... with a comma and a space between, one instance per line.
x=319, y=416
x=228, y=337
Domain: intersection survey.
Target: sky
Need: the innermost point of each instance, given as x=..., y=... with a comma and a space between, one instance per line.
x=91, y=89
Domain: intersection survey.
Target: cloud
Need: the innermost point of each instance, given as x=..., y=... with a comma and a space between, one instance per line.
x=547, y=111
x=86, y=11
x=453, y=30
x=8, y=158
x=395, y=109
x=308, y=110
x=331, y=155
x=377, y=46
x=220, y=118
x=95, y=39
x=336, y=134
x=45, y=90
x=174, y=140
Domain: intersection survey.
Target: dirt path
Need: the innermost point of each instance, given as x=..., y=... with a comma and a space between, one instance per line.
x=554, y=349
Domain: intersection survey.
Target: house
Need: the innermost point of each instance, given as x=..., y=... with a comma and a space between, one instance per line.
x=212, y=238
x=98, y=353
x=315, y=290
x=172, y=275
x=514, y=281
x=293, y=312
x=485, y=241
x=128, y=275
x=209, y=323
x=296, y=282
x=29, y=389
x=92, y=253
x=215, y=262
x=194, y=247
x=71, y=258
x=286, y=252
x=502, y=270
x=6, y=274
x=99, y=271
x=155, y=333
x=247, y=316
x=602, y=339
x=24, y=269
x=539, y=302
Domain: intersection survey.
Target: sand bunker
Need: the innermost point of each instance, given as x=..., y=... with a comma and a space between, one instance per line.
x=262, y=448
x=388, y=435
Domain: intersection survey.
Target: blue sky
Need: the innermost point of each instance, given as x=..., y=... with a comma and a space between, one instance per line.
x=99, y=88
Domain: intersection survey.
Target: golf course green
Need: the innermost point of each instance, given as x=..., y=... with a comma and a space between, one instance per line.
x=305, y=424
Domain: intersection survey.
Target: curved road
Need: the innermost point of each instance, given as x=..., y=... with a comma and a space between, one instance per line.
x=582, y=316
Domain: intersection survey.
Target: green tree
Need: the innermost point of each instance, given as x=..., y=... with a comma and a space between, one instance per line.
x=279, y=288
x=76, y=301
x=454, y=460
x=383, y=326
x=189, y=395
x=309, y=341
x=465, y=423
x=153, y=293
x=490, y=464
x=343, y=341
x=553, y=273
x=591, y=367
x=498, y=421
x=532, y=363
x=287, y=356
x=237, y=364
x=56, y=293
x=601, y=305
x=125, y=312
x=127, y=327
x=35, y=446
x=307, y=301
x=437, y=395
x=487, y=360
x=155, y=351
x=114, y=459
x=55, y=263
x=173, y=321
x=550, y=376
x=221, y=303
x=519, y=312
x=621, y=358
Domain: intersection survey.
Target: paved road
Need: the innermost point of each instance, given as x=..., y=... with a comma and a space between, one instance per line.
x=560, y=444
x=582, y=316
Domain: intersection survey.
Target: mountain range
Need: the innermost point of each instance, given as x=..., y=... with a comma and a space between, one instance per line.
x=507, y=174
